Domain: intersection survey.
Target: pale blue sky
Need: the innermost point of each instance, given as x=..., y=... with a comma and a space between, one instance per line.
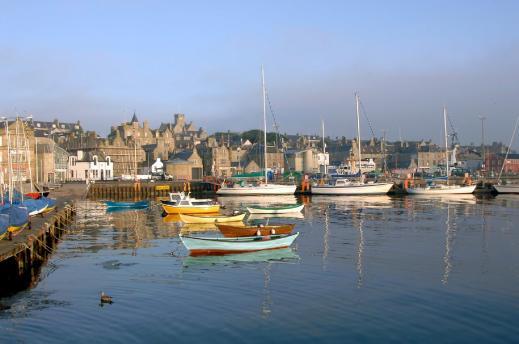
x=100, y=61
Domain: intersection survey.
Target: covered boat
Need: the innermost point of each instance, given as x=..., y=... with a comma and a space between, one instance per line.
x=232, y=231
x=211, y=218
x=18, y=217
x=276, y=209
x=207, y=245
x=180, y=203
x=4, y=225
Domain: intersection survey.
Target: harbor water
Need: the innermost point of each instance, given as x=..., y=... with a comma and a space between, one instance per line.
x=364, y=269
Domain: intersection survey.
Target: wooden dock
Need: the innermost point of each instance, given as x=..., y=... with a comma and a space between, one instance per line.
x=22, y=257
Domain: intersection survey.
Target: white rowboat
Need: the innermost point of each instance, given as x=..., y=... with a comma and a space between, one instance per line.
x=276, y=210
x=207, y=245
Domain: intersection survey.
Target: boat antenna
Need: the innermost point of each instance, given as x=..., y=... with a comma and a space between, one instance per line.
x=508, y=150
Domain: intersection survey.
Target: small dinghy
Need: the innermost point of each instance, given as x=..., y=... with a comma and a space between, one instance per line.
x=233, y=231
x=218, y=246
x=211, y=218
x=296, y=208
x=129, y=205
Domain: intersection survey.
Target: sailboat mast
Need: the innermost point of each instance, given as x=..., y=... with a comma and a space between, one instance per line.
x=508, y=150
x=264, y=122
x=357, y=105
x=446, y=143
x=324, y=148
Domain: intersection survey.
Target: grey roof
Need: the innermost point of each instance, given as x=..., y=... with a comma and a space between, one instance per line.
x=134, y=118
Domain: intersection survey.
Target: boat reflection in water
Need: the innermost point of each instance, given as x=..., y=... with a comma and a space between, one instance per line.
x=262, y=201
x=253, y=217
x=282, y=255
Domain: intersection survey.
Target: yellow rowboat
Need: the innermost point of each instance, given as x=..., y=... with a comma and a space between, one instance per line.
x=211, y=218
x=191, y=209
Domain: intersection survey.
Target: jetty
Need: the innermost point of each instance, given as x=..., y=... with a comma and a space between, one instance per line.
x=22, y=257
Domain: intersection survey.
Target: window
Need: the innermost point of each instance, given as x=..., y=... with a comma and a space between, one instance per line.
x=86, y=174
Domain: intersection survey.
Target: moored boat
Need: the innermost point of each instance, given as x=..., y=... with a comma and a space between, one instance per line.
x=442, y=190
x=233, y=231
x=207, y=245
x=276, y=209
x=211, y=218
x=507, y=188
x=343, y=186
x=180, y=203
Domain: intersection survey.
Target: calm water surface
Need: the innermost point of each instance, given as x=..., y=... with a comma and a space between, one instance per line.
x=366, y=269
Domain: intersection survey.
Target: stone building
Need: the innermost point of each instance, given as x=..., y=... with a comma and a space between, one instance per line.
x=56, y=130
x=51, y=161
x=20, y=139
x=185, y=165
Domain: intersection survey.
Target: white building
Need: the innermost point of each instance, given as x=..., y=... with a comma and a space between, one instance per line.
x=83, y=167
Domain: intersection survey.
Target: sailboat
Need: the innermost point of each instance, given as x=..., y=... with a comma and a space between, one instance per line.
x=440, y=189
x=507, y=188
x=262, y=188
x=343, y=186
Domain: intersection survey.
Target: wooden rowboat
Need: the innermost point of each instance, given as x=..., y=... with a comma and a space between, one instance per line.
x=211, y=218
x=219, y=246
x=233, y=231
x=276, y=210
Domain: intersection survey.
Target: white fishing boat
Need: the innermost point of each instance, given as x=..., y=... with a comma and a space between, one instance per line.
x=342, y=186
x=441, y=189
x=214, y=245
x=181, y=203
x=286, y=209
x=262, y=188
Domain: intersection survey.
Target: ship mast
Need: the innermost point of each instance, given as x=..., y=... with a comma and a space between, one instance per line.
x=446, y=143
x=264, y=122
x=358, y=130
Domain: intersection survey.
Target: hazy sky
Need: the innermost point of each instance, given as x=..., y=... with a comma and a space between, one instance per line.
x=100, y=61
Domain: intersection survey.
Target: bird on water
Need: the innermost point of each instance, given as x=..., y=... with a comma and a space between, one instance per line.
x=105, y=298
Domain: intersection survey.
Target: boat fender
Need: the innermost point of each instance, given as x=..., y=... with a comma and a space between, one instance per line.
x=273, y=231
x=258, y=232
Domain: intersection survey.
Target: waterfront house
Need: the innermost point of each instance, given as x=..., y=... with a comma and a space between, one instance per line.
x=85, y=167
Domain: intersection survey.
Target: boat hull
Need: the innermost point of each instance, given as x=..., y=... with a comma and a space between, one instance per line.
x=274, y=210
x=192, y=209
x=452, y=190
x=354, y=189
x=264, y=189
x=205, y=246
x=504, y=189
x=210, y=219
x=233, y=231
